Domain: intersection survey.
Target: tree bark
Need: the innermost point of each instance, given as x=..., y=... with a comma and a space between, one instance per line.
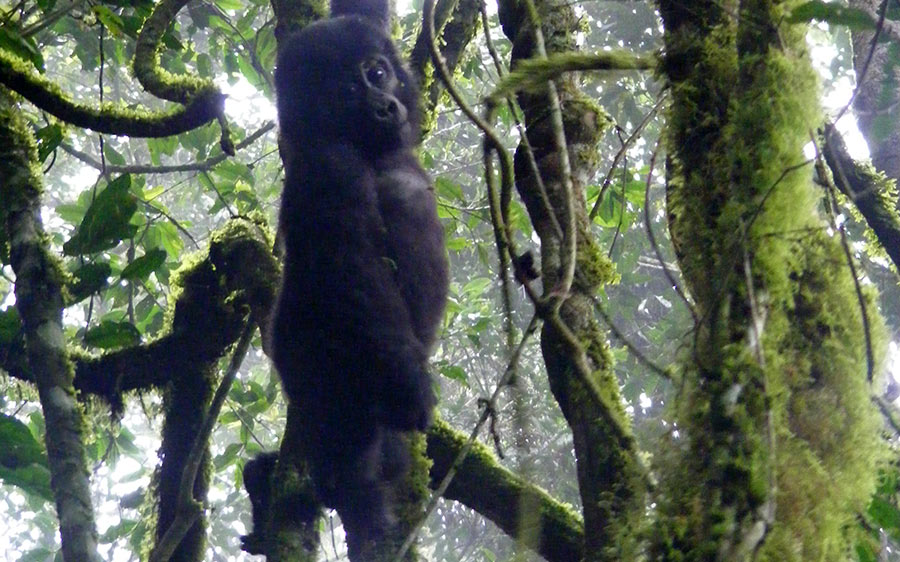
x=610, y=475
x=39, y=302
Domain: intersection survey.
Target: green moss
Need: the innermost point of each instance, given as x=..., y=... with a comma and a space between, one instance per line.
x=775, y=404
x=19, y=166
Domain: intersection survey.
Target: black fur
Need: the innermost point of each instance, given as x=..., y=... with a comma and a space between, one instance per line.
x=365, y=275
x=258, y=481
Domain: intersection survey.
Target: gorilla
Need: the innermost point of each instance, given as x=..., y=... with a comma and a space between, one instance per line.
x=365, y=272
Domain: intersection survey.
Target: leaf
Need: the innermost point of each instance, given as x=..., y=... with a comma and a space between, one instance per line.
x=72, y=213
x=39, y=554
x=10, y=325
x=455, y=373
x=448, y=190
x=89, y=279
x=142, y=267
x=885, y=515
x=865, y=553
x=23, y=462
x=610, y=210
x=476, y=287
x=110, y=335
x=112, y=155
x=113, y=22
x=106, y=221
x=457, y=244
x=229, y=4
x=832, y=14
x=21, y=47
x=48, y=139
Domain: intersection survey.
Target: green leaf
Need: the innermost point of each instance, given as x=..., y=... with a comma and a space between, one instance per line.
x=204, y=65
x=884, y=514
x=142, y=267
x=229, y=4
x=457, y=244
x=448, y=190
x=119, y=530
x=456, y=373
x=106, y=221
x=72, y=213
x=48, y=139
x=476, y=287
x=112, y=155
x=39, y=554
x=831, y=13
x=109, y=335
x=113, y=22
x=10, y=325
x=23, y=462
x=89, y=279
x=152, y=193
x=21, y=47
x=865, y=553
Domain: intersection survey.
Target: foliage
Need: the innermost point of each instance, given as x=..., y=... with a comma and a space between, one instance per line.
x=124, y=212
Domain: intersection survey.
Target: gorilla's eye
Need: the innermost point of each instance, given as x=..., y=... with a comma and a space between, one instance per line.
x=376, y=74
x=375, y=71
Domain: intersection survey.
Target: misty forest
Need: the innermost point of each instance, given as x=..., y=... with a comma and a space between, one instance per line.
x=672, y=331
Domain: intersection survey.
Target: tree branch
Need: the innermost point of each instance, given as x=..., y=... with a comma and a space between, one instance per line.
x=107, y=118
x=493, y=491
x=871, y=191
x=202, y=166
x=155, y=79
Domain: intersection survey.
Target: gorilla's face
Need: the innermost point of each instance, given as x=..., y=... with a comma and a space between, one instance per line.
x=354, y=91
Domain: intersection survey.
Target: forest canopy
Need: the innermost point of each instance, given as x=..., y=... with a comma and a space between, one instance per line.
x=671, y=329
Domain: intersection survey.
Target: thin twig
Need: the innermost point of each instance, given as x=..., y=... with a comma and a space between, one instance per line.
x=201, y=166
x=637, y=353
x=652, y=237
x=523, y=133
x=559, y=136
x=628, y=142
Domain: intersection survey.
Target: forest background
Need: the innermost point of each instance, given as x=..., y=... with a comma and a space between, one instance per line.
x=703, y=368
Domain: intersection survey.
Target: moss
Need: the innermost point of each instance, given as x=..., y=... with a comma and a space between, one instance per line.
x=775, y=402
x=204, y=104
x=595, y=269
x=19, y=167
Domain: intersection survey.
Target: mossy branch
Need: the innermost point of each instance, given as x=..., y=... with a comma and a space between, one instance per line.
x=484, y=485
x=107, y=118
x=189, y=510
x=155, y=79
x=872, y=192
x=204, y=324
x=533, y=74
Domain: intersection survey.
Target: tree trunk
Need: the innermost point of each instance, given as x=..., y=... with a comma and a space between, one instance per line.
x=780, y=432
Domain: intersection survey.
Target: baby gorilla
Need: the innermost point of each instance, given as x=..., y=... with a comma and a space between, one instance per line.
x=365, y=273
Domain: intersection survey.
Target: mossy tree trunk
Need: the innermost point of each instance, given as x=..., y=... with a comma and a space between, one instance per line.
x=610, y=476
x=39, y=300
x=777, y=434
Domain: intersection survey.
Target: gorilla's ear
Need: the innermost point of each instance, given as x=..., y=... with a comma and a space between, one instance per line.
x=379, y=11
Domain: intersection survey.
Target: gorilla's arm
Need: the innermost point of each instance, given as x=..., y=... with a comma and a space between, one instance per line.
x=415, y=240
